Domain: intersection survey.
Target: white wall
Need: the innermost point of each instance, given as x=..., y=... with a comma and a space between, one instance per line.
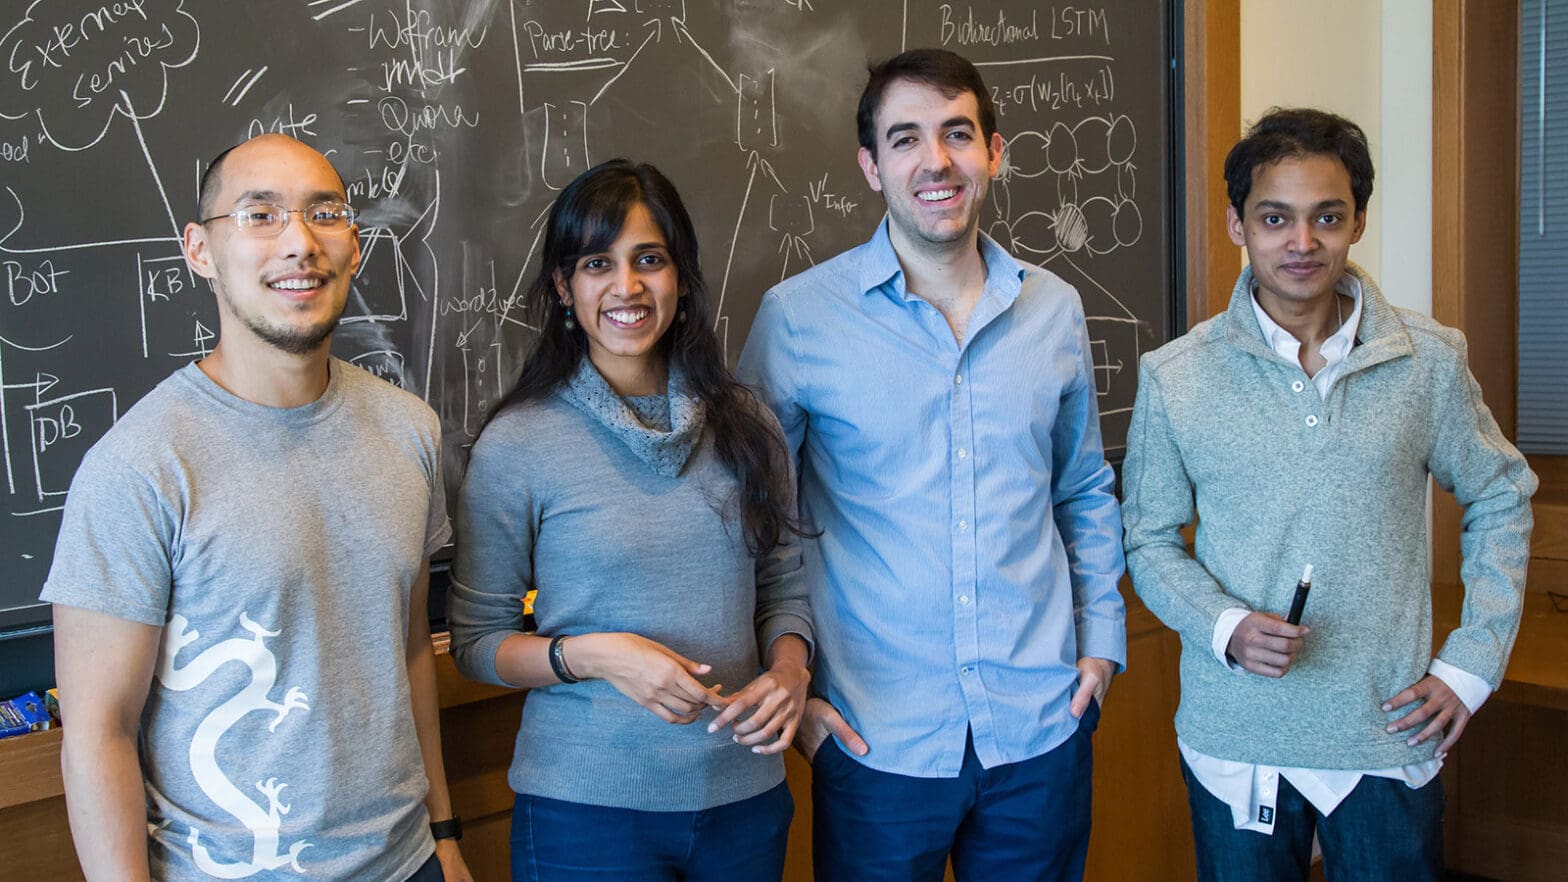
x=1370, y=61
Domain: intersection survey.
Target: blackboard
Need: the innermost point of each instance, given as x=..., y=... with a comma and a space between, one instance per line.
x=454, y=123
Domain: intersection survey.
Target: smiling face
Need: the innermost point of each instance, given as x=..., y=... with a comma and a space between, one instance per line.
x=932, y=165
x=1300, y=221
x=289, y=290
x=625, y=298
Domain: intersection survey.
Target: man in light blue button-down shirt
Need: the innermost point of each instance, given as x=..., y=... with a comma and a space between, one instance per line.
x=940, y=399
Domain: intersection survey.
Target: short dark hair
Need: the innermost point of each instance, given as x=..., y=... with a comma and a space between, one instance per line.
x=1295, y=132
x=946, y=71
x=212, y=180
x=211, y=183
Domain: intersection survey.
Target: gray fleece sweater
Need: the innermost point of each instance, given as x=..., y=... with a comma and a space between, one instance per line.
x=1227, y=431
x=557, y=497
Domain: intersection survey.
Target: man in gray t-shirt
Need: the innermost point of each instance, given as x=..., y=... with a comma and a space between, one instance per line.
x=240, y=583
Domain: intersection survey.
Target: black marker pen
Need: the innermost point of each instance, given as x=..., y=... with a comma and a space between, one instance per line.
x=1299, y=603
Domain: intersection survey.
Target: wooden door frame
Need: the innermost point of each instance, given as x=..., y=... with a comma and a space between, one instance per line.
x=1475, y=223
x=1212, y=110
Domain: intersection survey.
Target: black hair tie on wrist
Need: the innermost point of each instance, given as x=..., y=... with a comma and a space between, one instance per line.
x=558, y=661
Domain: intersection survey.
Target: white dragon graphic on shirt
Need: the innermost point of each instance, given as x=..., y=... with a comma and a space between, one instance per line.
x=263, y=823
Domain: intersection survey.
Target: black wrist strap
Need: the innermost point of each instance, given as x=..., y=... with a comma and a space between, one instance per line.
x=558, y=660
x=451, y=828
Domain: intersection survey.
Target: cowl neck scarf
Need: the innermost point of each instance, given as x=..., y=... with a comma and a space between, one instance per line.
x=665, y=452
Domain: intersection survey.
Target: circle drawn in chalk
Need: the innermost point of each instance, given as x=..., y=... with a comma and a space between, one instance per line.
x=1061, y=155
x=1034, y=231
x=1091, y=135
x=1121, y=140
x=1099, y=215
x=1128, y=223
x=1071, y=227
x=1027, y=155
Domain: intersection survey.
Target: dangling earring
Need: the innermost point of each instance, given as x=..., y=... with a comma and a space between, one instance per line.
x=681, y=316
x=571, y=325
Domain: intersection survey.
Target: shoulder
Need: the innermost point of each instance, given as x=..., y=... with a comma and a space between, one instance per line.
x=1186, y=352
x=1045, y=287
x=370, y=394
x=1430, y=337
x=527, y=430
x=170, y=417
x=837, y=276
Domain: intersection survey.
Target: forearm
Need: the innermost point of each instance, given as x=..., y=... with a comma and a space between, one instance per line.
x=523, y=660
x=788, y=649
x=106, y=803
x=426, y=708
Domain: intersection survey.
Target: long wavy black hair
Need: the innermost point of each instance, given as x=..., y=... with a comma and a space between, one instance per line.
x=586, y=219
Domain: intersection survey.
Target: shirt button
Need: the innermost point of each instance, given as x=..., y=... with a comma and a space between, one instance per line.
x=1312, y=420
x=962, y=526
x=962, y=453
x=963, y=599
x=966, y=670
x=1297, y=386
x=958, y=379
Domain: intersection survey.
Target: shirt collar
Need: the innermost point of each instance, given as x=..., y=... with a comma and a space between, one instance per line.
x=1335, y=348
x=880, y=269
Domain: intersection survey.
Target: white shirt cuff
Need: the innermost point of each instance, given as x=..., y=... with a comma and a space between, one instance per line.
x=1225, y=626
x=1472, y=690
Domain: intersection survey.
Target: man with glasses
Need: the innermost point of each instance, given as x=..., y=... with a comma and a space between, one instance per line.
x=239, y=585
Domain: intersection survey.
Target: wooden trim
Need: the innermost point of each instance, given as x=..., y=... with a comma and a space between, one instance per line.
x=1212, y=54
x=30, y=768
x=1475, y=211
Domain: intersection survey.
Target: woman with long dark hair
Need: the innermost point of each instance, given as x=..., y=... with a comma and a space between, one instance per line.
x=647, y=496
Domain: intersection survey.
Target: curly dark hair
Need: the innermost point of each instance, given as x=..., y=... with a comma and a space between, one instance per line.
x=1286, y=132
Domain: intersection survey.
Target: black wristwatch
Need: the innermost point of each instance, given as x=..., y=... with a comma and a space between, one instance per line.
x=451, y=828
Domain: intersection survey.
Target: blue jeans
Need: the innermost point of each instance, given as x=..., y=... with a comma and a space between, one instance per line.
x=1022, y=822
x=1382, y=830
x=556, y=840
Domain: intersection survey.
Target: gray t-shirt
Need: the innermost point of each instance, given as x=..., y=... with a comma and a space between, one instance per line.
x=277, y=549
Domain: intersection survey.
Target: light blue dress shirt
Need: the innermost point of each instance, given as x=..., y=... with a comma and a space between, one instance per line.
x=970, y=537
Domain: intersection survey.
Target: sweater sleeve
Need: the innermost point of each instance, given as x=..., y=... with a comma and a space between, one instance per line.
x=1491, y=480
x=497, y=521
x=1157, y=503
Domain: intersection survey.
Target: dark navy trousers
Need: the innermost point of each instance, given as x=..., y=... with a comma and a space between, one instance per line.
x=1022, y=822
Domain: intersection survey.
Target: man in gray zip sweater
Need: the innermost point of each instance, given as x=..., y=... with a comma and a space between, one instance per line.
x=1299, y=427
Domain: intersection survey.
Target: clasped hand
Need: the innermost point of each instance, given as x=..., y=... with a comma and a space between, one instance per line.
x=776, y=701
x=765, y=712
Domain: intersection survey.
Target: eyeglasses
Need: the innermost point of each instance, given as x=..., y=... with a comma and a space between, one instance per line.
x=263, y=221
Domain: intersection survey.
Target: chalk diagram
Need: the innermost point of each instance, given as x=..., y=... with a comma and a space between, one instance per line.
x=660, y=26
x=1089, y=166
x=78, y=71
x=454, y=181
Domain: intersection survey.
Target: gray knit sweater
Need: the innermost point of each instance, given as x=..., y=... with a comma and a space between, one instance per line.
x=1279, y=478
x=566, y=494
